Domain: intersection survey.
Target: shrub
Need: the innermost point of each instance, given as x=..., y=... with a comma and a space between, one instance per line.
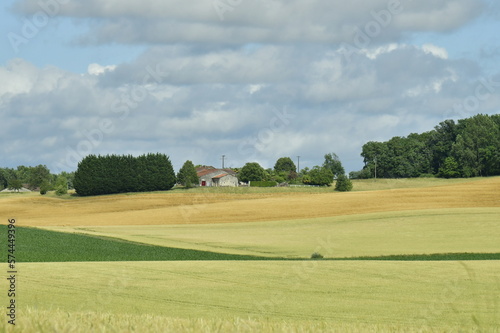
x=316, y=255
x=45, y=187
x=343, y=184
x=320, y=176
x=61, y=190
x=263, y=183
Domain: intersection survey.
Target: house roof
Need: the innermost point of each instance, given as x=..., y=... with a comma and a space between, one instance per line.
x=220, y=176
x=205, y=172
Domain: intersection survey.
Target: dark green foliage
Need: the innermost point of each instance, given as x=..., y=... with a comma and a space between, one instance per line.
x=187, y=175
x=263, y=183
x=70, y=176
x=119, y=174
x=61, y=185
x=49, y=246
x=285, y=164
x=316, y=255
x=332, y=162
x=45, y=187
x=4, y=182
x=449, y=169
x=343, y=184
x=252, y=171
x=319, y=176
x=37, y=175
x=365, y=173
x=431, y=257
x=15, y=184
x=473, y=143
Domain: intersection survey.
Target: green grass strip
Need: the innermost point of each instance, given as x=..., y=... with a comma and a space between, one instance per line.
x=431, y=257
x=38, y=245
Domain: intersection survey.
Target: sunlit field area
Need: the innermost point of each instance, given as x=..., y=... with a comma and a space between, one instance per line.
x=146, y=285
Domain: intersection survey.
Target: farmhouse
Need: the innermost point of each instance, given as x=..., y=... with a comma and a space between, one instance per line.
x=210, y=176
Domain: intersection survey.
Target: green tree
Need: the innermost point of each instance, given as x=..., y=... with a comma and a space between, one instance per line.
x=332, y=162
x=441, y=141
x=450, y=168
x=3, y=179
x=117, y=174
x=376, y=158
x=15, y=184
x=285, y=164
x=251, y=171
x=343, y=184
x=471, y=149
x=187, y=175
x=45, y=187
x=320, y=176
x=61, y=185
x=37, y=175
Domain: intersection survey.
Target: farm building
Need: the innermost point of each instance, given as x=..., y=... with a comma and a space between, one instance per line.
x=210, y=176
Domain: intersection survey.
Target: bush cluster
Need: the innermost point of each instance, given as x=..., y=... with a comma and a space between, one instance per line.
x=119, y=174
x=255, y=183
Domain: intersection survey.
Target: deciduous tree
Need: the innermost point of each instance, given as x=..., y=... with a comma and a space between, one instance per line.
x=187, y=175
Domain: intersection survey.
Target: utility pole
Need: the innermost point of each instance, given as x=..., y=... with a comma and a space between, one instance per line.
x=375, y=167
x=223, y=157
x=298, y=164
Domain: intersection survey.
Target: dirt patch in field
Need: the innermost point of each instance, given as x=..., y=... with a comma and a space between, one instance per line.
x=199, y=208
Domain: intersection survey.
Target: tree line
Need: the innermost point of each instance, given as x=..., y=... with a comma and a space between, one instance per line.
x=119, y=174
x=285, y=171
x=36, y=178
x=467, y=148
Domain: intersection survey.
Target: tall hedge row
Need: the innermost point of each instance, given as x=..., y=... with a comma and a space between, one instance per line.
x=118, y=174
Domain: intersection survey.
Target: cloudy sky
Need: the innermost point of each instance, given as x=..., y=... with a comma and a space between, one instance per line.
x=251, y=80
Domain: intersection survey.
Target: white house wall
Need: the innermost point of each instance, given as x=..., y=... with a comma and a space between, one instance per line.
x=228, y=180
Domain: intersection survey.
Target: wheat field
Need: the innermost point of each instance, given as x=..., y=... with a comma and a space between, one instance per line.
x=376, y=234
x=411, y=295
x=233, y=207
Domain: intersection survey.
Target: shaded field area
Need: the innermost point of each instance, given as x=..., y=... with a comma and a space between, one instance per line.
x=198, y=207
x=388, y=296
x=36, y=245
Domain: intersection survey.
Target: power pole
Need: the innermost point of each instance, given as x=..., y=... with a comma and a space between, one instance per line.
x=298, y=164
x=223, y=157
x=375, y=167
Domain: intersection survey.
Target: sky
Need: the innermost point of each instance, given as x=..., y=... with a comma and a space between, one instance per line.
x=251, y=80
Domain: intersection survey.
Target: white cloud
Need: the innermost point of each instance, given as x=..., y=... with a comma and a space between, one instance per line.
x=96, y=69
x=374, y=53
x=436, y=51
x=259, y=21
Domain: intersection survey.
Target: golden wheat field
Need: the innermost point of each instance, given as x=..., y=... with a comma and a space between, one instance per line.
x=201, y=208
x=380, y=218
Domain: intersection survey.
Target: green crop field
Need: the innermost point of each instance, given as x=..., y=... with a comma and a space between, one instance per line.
x=49, y=246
